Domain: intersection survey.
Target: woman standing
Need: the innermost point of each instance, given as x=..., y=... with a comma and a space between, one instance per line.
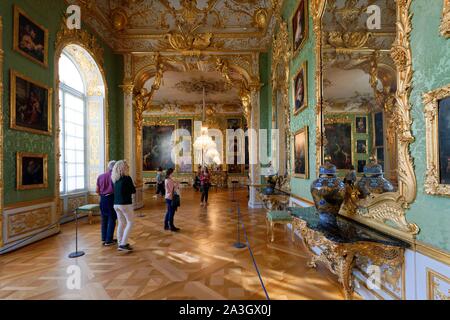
x=204, y=185
x=171, y=189
x=123, y=204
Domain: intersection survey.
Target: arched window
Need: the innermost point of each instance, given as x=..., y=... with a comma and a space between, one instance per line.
x=83, y=129
x=72, y=121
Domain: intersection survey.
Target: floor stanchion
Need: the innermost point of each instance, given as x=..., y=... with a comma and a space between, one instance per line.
x=239, y=244
x=77, y=253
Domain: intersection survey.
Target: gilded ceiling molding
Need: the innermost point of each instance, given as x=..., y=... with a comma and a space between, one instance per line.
x=377, y=210
x=281, y=55
x=1, y=132
x=445, y=25
x=432, y=180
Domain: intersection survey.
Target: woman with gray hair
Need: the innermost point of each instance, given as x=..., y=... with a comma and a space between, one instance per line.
x=106, y=191
x=123, y=190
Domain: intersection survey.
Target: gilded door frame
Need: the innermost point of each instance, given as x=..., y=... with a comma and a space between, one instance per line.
x=391, y=207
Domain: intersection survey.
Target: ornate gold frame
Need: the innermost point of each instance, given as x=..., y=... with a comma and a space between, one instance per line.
x=391, y=207
x=306, y=17
x=241, y=124
x=432, y=291
x=356, y=146
x=19, y=173
x=154, y=123
x=13, y=75
x=18, y=11
x=304, y=130
x=431, y=102
x=356, y=124
x=445, y=25
x=304, y=67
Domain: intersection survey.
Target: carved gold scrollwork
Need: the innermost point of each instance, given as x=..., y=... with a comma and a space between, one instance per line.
x=433, y=182
x=445, y=25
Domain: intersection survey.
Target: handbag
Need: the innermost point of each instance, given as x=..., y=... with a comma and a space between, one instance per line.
x=176, y=201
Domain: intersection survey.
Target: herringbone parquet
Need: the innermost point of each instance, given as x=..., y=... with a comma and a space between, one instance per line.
x=199, y=262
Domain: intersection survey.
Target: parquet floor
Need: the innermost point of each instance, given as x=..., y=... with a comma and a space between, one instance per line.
x=199, y=262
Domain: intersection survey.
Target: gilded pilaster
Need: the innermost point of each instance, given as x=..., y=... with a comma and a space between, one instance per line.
x=128, y=133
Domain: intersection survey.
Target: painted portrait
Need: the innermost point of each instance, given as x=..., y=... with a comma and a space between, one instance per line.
x=30, y=105
x=444, y=140
x=339, y=137
x=301, y=165
x=300, y=25
x=361, y=124
x=157, y=145
x=361, y=146
x=31, y=171
x=300, y=89
x=30, y=38
x=184, y=136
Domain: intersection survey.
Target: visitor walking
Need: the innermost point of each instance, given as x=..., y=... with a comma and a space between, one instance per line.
x=105, y=189
x=172, y=201
x=204, y=186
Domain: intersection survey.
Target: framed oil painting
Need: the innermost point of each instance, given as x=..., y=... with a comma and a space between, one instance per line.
x=32, y=171
x=361, y=146
x=30, y=39
x=339, y=137
x=444, y=140
x=300, y=89
x=157, y=145
x=361, y=124
x=184, y=156
x=299, y=23
x=30, y=105
x=301, y=163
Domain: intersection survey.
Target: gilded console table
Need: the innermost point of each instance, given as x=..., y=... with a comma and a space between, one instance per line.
x=338, y=241
x=276, y=200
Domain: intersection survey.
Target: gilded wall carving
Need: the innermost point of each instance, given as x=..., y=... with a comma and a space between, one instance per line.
x=438, y=286
x=445, y=25
x=25, y=222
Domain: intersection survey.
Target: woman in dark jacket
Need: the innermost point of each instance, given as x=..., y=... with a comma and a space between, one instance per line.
x=123, y=203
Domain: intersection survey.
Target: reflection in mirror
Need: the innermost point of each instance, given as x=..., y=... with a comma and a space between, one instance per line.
x=359, y=86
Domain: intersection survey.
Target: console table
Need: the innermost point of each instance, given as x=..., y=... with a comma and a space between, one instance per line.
x=337, y=244
x=276, y=200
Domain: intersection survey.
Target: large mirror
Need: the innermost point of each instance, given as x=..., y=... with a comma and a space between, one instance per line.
x=365, y=131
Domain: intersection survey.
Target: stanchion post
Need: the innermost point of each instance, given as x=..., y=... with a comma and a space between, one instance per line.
x=239, y=244
x=77, y=253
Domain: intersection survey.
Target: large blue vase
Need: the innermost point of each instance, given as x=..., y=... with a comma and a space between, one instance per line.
x=328, y=191
x=373, y=181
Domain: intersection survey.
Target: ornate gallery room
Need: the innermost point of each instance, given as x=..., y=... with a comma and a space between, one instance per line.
x=225, y=150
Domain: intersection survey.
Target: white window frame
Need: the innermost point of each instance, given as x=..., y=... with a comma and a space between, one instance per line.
x=63, y=171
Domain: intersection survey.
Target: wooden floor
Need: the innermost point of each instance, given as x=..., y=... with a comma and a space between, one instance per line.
x=200, y=262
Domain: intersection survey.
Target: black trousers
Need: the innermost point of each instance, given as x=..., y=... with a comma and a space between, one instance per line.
x=205, y=190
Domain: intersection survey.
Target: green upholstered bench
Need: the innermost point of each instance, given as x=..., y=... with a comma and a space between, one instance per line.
x=90, y=209
x=277, y=217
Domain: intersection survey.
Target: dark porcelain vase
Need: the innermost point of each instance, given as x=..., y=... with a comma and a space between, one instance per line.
x=373, y=181
x=328, y=191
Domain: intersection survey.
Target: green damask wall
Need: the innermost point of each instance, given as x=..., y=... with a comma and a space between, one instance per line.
x=47, y=13
x=431, y=65
x=307, y=117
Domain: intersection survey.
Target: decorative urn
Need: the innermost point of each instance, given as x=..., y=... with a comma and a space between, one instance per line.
x=373, y=180
x=328, y=190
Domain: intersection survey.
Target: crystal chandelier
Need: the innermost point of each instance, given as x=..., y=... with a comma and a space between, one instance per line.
x=205, y=144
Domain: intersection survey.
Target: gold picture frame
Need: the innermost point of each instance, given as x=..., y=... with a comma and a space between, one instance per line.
x=39, y=90
x=445, y=24
x=38, y=31
x=305, y=132
x=433, y=183
x=21, y=184
x=295, y=50
x=304, y=68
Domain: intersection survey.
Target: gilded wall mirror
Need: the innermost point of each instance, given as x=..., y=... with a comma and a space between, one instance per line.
x=364, y=78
